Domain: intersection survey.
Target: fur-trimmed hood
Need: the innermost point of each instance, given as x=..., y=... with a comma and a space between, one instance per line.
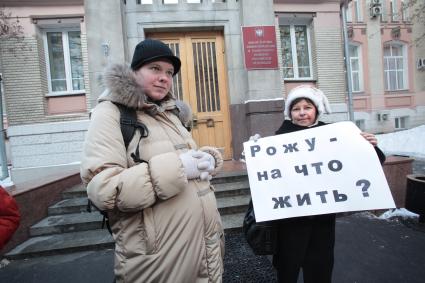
x=122, y=88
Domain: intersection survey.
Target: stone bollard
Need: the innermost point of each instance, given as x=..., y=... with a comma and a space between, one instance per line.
x=415, y=195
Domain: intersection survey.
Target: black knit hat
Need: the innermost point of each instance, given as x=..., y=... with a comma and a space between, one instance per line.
x=150, y=50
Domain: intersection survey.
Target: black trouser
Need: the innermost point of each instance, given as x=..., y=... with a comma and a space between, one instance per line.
x=307, y=243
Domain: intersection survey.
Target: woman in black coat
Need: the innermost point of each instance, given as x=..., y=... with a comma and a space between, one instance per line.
x=307, y=242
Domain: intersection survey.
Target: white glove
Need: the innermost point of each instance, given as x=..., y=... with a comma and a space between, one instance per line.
x=255, y=137
x=198, y=164
x=206, y=165
x=190, y=164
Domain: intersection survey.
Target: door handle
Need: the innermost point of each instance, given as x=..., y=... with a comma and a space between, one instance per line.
x=208, y=121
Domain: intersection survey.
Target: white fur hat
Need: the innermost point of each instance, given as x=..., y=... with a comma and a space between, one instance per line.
x=305, y=91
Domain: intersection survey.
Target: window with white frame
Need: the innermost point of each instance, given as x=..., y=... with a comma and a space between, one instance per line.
x=405, y=10
x=358, y=16
x=400, y=123
x=358, y=10
x=394, y=10
x=395, y=67
x=384, y=11
x=356, y=68
x=349, y=12
x=296, y=53
x=354, y=6
x=64, y=61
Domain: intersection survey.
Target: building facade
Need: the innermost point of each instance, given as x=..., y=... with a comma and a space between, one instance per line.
x=51, y=87
x=386, y=52
x=208, y=36
x=45, y=83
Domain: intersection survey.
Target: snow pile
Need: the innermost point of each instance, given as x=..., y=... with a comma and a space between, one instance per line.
x=399, y=212
x=6, y=182
x=4, y=262
x=408, y=142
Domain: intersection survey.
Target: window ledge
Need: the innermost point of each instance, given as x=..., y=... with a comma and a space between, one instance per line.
x=68, y=115
x=362, y=23
x=56, y=94
x=398, y=92
x=299, y=80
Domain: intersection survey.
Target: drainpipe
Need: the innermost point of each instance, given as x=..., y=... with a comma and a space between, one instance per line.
x=3, y=157
x=347, y=61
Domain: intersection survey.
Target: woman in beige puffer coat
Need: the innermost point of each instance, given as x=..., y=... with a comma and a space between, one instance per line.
x=162, y=210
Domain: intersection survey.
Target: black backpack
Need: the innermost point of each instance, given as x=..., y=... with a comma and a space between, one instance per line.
x=129, y=125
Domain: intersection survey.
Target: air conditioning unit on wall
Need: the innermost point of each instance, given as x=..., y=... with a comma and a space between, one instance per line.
x=375, y=9
x=383, y=116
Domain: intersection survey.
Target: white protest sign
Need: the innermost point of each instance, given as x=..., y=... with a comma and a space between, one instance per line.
x=326, y=169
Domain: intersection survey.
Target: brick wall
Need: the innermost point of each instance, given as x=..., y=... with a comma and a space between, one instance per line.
x=25, y=82
x=330, y=63
x=21, y=81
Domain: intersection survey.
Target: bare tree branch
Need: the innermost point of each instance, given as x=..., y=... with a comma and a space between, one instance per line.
x=9, y=28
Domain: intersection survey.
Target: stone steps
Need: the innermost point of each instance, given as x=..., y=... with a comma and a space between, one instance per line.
x=66, y=206
x=69, y=227
x=231, y=189
x=63, y=243
x=233, y=204
x=222, y=191
x=82, y=221
x=76, y=191
x=75, y=222
x=86, y=240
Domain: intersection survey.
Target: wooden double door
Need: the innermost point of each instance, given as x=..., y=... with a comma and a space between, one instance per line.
x=202, y=83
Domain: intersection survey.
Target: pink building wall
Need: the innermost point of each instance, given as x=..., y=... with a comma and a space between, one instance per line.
x=54, y=14
x=409, y=102
x=25, y=14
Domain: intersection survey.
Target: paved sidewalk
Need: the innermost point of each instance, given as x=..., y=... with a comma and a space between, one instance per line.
x=367, y=251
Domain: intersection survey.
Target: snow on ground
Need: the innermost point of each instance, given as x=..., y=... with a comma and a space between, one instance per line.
x=6, y=182
x=399, y=212
x=389, y=215
x=408, y=142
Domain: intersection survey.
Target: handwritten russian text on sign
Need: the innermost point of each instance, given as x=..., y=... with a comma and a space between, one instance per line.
x=321, y=170
x=260, y=47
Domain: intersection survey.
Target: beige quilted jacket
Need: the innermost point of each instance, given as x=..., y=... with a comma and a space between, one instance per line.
x=166, y=228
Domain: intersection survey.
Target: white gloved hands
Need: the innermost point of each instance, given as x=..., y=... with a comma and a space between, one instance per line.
x=206, y=165
x=255, y=137
x=190, y=164
x=198, y=164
